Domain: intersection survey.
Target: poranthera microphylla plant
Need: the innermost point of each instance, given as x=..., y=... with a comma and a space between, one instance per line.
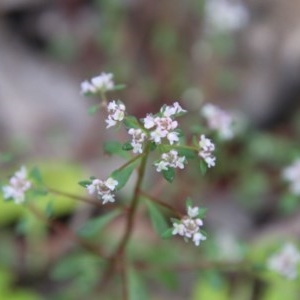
x=160, y=135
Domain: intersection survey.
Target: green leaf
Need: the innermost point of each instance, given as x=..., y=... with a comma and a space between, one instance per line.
x=115, y=147
x=49, y=209
x=84, y=183
x=36, y=175
x=157, y=219
x=167, y=234
x=136, y=287
x=152, y=146
x=127, y=146
x=202, y=167
x=169, y=174
x=202, y=213
x=188, y=203
x=131, y=122
x=66, y=268
x=93, y=109
x=188, y=153
x=95, y=225
x=118, y=87
x=122, y=175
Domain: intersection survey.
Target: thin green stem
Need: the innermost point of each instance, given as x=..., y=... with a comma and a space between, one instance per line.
x=74, y=197
x=161, y=203
x=119, y=253
x=129, y=162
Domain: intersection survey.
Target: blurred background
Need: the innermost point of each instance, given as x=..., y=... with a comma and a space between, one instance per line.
x=241, y=55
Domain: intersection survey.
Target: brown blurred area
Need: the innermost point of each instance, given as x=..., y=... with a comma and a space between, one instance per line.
x=163, y=51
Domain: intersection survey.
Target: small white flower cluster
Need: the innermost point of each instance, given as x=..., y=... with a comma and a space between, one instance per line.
x=170, y=159
x=163, y=125
x=102, y=83
x=19, y=184
x=225, y=15
x=219, y=120
x=138, y=138
x=103, y=189
x=206, y=149
x=116, y=113
x=292, y=174
x=189, y=226
x=285, y=262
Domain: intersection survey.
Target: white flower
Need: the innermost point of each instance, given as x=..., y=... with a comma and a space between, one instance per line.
x=170, y=159
x=193, y=211
x=161, y=165
x=189, y=226
x=18, y=186
x=169, y=111
x=87, y=87
x=218, y=120
x=206, y=144
x=285, y=261
x=157, y=135
x=173, y=137
x=292, y=174
x=198, y=237
x=103, y=189
x=101, y=83
x=178, y=229
x=111, y=183
x=116, y=113
x=149, y=121
x=206, y=148
x=138, y=137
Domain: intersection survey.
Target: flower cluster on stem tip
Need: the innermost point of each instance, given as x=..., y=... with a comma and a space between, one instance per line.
x=206, y=148
x=162, y=125
x=189, y=226
x=101, y=83
x=292, y=174
x=219, y=120
x=103, y=189
x=19, y=184
x=285, y=262
x=116, y=113
x=170, y=159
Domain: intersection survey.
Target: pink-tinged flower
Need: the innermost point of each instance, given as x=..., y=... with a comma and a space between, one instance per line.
x=218, y=120
x=102, y=83
x=292, y=175
x=170, y=159
x=19, y=184
x=206, y=148
x=163, y=124
x=116, y=113
x=189, y=226
x=103, y=189
x=285, y=262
